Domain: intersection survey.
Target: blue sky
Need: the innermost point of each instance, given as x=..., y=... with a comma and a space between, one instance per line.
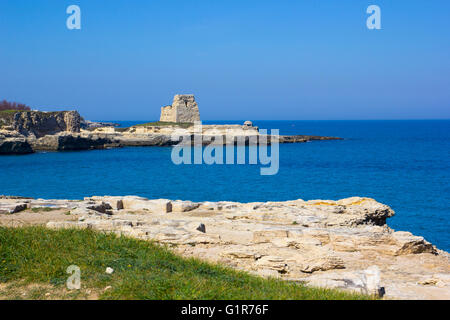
x=264, y=60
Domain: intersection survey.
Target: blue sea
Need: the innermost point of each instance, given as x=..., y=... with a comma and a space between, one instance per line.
x=404, y=164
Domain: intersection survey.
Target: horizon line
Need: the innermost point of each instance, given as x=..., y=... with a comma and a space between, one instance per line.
x=419, y=119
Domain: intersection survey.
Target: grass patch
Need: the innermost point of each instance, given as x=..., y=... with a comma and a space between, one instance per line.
x=121, y=129
x=166, y=124
x=43, y=209
x=37, y=257
x=10, y=111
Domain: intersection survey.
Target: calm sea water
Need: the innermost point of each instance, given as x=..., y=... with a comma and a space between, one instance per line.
x=405, y=164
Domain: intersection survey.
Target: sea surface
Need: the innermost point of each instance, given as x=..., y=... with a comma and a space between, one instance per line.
x=404, y=164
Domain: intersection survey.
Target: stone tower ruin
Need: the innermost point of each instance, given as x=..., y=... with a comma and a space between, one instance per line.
x=183, y=109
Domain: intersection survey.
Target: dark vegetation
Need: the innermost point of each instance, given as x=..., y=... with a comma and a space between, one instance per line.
x=13, y=106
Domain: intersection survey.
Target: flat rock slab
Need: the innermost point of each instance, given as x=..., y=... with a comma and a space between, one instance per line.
x=321, y=242
x=10, y=208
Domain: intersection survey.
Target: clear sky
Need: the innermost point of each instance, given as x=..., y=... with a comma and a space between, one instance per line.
x=257, y=60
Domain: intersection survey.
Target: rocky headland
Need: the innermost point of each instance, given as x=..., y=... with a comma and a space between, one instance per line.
x=25, y=132
x=342, y=244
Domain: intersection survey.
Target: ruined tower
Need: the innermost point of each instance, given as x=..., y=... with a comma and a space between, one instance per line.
x=183, y=109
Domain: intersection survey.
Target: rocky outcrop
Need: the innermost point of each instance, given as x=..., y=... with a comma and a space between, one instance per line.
x=72, y=142
x=14, y=146
x=89, y=125
x=39, y=124
x=29, y=131
x=24, y=132
x=28, y=137
x=336, y=244
x=217, y=134
x=110, y=137
x=183, y=109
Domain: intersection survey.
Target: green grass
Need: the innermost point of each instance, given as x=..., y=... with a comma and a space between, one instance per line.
x=143, y=270
x=10, y=111
x=166, y=124
x=43, y=209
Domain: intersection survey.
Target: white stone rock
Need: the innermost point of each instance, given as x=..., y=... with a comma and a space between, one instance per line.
x=372, y=280
x=138, y=203
x=109, y=270
x=184, y=206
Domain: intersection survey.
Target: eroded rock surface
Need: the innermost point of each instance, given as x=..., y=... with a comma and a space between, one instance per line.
x=13, y=142
x=72, y=141
x=210, y=134
x=14, y=146
x=326, y=243
x=39, y=123
x=29, y=131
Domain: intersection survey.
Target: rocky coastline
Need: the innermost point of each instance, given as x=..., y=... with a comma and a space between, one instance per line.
x=333, y=244
x=25, y=132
